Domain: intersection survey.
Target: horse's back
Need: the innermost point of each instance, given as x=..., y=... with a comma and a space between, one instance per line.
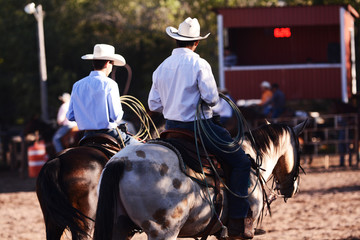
x=150, y=169
x=82, y=158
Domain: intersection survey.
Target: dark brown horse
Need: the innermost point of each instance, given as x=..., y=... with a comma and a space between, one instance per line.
x=67, y=191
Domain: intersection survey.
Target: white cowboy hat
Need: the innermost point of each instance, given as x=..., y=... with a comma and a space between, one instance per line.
x=265, y=84
x=105, y=52
x=189, y=30
x=65, y=97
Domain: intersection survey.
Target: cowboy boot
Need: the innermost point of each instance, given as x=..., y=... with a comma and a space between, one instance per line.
x=248, y=225
x=241, y=228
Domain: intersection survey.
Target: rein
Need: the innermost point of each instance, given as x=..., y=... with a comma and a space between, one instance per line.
x=274, y=192
x=237, y=142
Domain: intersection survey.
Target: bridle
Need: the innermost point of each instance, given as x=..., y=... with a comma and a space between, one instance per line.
x=291, y=178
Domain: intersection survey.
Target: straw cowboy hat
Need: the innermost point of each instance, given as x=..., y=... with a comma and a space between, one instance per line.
x=105, y=52
x=189, y=30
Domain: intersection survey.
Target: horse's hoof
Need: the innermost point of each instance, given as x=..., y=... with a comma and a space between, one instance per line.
x=259, y=231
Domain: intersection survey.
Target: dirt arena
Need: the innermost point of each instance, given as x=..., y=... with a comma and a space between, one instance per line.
x=327, y=207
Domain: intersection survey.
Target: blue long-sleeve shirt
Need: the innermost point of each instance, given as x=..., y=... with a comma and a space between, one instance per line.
x=95, y=103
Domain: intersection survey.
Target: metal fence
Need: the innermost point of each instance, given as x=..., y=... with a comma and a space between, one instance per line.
x=333, y=134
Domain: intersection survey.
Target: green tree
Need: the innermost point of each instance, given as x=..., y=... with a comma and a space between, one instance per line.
x=135, y=27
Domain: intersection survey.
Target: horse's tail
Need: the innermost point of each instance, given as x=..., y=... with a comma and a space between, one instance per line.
x=108, y=194
x=56, y=208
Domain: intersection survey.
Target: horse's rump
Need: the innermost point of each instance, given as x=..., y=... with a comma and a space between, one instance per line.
x=65, y=186
x=154, y=191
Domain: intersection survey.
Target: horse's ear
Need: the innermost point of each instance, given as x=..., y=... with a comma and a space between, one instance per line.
x=300, y=127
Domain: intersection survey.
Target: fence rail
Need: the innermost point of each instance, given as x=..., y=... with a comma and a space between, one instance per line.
x=332, y=134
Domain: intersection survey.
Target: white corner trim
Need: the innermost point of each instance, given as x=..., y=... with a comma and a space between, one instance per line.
x=344, y=95
x=221, y=51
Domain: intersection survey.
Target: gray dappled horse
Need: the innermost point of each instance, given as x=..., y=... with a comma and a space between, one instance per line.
x=143, y=186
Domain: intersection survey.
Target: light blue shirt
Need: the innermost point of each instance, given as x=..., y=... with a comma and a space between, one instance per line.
x=178, y=84
x=95, y=103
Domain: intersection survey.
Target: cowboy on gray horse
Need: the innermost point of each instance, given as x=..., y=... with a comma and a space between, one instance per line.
x=179, y=83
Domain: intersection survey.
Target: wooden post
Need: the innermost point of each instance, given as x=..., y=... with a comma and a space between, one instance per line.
x=327, y=162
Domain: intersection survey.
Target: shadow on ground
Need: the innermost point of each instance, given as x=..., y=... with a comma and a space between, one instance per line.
x=11, y=181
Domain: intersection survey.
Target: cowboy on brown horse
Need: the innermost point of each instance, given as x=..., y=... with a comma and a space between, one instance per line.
x=95, y=100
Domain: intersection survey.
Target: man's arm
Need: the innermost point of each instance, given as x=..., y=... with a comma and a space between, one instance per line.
x=154, y=100
x=116, y=112
x=70, y=113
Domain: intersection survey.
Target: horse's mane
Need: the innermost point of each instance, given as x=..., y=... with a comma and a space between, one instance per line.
x=261, y=139
x=266, y=135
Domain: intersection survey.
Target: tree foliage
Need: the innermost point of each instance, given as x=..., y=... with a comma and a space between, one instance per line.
x=135, y=27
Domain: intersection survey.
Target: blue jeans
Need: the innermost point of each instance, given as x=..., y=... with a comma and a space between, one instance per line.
x=276, y=112
x=237, y=160
x=56, y=140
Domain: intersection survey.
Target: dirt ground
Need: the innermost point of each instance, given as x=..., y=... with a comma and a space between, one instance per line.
x=327, y=207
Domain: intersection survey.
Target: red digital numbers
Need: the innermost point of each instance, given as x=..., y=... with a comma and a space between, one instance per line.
x=282, y=32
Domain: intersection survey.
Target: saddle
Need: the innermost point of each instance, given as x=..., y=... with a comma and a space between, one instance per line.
x=72, y=138
x=103, y=142
x=194, y=159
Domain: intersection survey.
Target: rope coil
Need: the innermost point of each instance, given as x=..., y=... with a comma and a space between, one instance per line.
x=138, y=108
x=199, y=129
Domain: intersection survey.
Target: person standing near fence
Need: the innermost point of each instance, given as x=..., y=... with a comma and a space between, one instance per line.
x=266, y=95
x=277, y=101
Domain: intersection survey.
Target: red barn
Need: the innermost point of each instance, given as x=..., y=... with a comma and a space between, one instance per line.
x=309, y=51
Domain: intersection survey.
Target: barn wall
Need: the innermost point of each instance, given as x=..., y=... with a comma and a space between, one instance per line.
x=321, y=83
x=316, y=40
x=258, y=46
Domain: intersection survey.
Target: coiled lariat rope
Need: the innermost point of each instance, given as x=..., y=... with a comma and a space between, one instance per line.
x=216, y=140
x=200, y=130
x=147, y=123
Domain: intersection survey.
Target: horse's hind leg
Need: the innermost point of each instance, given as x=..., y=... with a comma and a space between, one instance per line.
x=122, y=228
